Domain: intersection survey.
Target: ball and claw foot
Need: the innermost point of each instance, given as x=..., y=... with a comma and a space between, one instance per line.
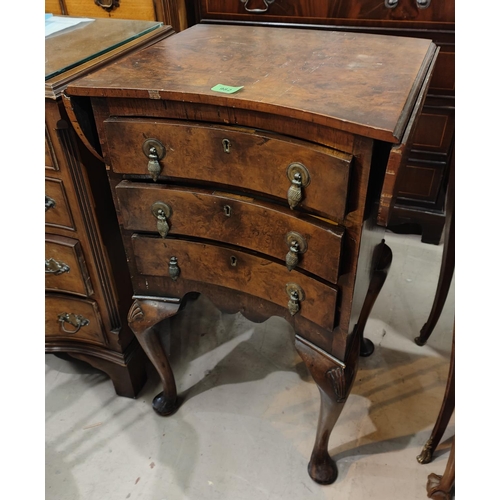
x=367, y=348
x=164, y=406
x=323, y=471
x=425, y=456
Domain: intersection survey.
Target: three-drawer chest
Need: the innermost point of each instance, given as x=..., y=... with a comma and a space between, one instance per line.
x=246, y=164
x=88, y=289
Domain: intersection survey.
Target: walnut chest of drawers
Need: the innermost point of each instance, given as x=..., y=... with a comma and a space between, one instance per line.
x=264, y=198
x=88, y=290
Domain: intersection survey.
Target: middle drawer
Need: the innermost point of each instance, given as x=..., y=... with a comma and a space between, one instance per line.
x=299, y=240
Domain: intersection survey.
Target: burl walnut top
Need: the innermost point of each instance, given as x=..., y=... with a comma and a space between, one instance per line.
x=360, y=83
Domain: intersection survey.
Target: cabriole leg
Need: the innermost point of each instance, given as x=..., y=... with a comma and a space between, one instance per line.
x=143, y=315
x=334, y=380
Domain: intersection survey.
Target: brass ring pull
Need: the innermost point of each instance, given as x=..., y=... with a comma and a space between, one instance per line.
x=300, y=178
x=161, y=211
x=154, y=151
x=76, y=320
x=257, y=11
x=296, y=296
x=56, y=268
x=297, y=244
x=390, y=4
x=49, y=202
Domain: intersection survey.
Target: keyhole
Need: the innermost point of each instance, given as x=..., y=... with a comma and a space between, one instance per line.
x=233, y=260
x=226, y=144
x=227, y=210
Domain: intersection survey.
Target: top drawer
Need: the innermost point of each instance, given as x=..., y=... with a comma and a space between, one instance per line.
x=321, y=12
x=301, y=174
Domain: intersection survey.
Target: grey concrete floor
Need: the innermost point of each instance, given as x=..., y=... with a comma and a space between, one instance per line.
x=247, y=424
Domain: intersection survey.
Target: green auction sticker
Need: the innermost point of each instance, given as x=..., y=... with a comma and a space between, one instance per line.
x=226, y=89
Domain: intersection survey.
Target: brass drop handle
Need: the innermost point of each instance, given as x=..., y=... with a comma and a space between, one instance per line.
x=154, y=151
x=297, y=245
x=296, y=296
x=423, y=4
x=49, y=202
x=173, y=268
x=257, y=11
x=161, y=212
x=299, y=177
x=56, y=268
x=76, y=320
x=109, y=6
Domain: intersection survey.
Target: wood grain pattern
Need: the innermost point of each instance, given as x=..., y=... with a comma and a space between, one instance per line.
x=332, y=12
x=353, y=82
x=256, y=161
x=258, y=226
x=250, y=274
x=68, y=251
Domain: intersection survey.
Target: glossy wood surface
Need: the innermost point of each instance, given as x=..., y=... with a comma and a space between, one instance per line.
x=375, y=12
x=235, y=270
x=255, y=161
x=233, y=219
x=353, y=82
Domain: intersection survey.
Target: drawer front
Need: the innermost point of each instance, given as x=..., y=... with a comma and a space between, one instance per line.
x=137, y=9
x=240, y=221
x=72, y=318
x=65, y=269
x=322, y=12
x=236, y=158
x=57, y=211
x=235, y=270
x=435, y=130
x=421, y=182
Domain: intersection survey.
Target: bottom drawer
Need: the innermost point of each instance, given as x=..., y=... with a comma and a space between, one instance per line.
x=236, y=270
x=73, y=318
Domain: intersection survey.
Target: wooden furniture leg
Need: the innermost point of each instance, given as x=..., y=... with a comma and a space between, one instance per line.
x=445, y=413
x=439, y=487
x=382, y=258
x=335, y=378
x=447, y=263
x=143, y=315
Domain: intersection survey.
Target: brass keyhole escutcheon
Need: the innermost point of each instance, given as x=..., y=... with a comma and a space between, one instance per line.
x=233, y=260
x=154, y=151
x=161, y=211
x=227, y=210
x=226, y=145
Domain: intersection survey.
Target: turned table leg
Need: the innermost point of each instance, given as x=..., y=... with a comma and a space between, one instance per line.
x=447, y=264
x=143, y=315
x=447, y=408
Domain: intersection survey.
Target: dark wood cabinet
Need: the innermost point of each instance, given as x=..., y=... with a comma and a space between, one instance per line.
x=419, y=193
x=88, y=290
